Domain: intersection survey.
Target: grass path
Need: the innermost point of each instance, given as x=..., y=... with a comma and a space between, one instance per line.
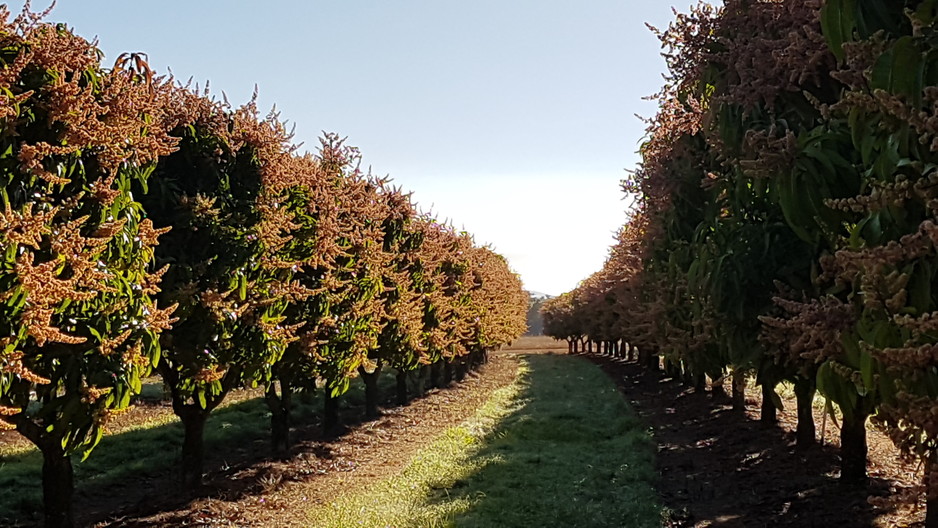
x=559, y=447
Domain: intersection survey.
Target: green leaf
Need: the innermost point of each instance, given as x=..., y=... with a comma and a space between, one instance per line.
x=900, y=70
x=851, y=349
x=89, y=447
x=829, y=409
x=926, y=12
x=866, y=369
x=920, y=287
x=838, y=21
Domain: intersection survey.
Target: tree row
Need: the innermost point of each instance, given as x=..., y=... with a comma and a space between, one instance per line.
x=147, y=227
x=786, y=222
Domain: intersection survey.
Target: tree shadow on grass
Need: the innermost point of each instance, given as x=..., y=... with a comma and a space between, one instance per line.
x=136, y=472
x=724, y=469
x=572, y=454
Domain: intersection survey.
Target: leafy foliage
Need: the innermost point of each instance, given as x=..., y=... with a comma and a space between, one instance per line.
x=786, y=217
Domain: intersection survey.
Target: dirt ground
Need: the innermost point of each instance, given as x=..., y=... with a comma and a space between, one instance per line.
x=257, y=491
x=718, y=468
x=724, y=469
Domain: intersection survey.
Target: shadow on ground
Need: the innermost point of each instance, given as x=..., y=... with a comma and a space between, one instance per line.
x=719, y=468
x=136, y=472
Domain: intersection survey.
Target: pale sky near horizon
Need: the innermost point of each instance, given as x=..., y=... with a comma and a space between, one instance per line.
x=515, y=119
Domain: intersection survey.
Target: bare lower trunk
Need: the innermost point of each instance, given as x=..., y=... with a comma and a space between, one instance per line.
x=401, y=379
x=422, y=376
x=371, y=391
x=769, y=415
x=718, y=389
x=447, y=373
x=57, y=487
x=436, y=374
x=672, y=369
x=330, y=420
x=931, y=492
x=460, y=364
x=739, y=391
x=700, y=383
x=804, y=396
x=280, y=406
x=193, y=446
x=853, y=448
x=653, y=362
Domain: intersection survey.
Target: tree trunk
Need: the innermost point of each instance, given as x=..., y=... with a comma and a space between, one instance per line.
x=700, y=383
x=687, y=378
x=401, y=387
x=652, y=362
x=280, y=407
x=718, y=388
x=672, y=369
x=57, y=487
x=931, y=513
x=589, y=347
x=804, y=396
x=569, y=346
x=436, y=374
x=769, y=415
x=931, y=492
x=193, y=445
x=447, y=373
x=422, y=375
x=853, y=447
x=330, y=419
x=460, y=368
x=479, y=357
x=739, y=390
x=371, y=391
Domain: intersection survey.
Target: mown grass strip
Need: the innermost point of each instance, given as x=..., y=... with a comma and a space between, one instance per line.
x=559, y=447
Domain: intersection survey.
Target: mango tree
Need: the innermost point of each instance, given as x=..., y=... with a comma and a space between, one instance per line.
x=223, y=193
x=402, y=302
x=77, y=314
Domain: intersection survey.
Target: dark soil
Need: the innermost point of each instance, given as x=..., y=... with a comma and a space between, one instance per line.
x=720, y=468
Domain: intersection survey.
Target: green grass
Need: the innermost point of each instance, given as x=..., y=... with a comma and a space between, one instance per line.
x=559, y=447
x=150, y=448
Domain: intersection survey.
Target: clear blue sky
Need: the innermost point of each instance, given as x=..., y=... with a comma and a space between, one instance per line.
x=514, y=119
